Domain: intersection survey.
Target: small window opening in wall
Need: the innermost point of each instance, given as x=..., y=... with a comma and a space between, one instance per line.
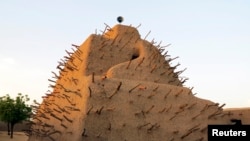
x=134, y=56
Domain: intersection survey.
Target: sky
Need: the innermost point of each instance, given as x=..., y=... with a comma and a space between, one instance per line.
x=211, y=38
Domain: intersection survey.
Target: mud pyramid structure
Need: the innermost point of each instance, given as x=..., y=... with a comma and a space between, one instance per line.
x=120, y=87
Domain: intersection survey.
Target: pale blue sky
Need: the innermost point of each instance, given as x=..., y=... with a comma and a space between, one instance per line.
x=211, y=38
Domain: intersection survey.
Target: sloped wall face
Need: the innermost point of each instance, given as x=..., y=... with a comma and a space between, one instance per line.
x=120, y=109
x=117, y=86
x=60, y=116
x=121, y=53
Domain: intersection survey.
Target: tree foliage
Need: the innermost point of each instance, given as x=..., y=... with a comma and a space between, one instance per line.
x=13, y=111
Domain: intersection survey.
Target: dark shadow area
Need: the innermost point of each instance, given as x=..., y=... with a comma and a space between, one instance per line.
x=236, y=121
x=134, y=56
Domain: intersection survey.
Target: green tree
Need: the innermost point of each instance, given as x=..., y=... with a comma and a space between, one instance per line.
x=13, y=111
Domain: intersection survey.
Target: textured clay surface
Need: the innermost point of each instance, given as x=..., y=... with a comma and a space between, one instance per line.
x=119, y=87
